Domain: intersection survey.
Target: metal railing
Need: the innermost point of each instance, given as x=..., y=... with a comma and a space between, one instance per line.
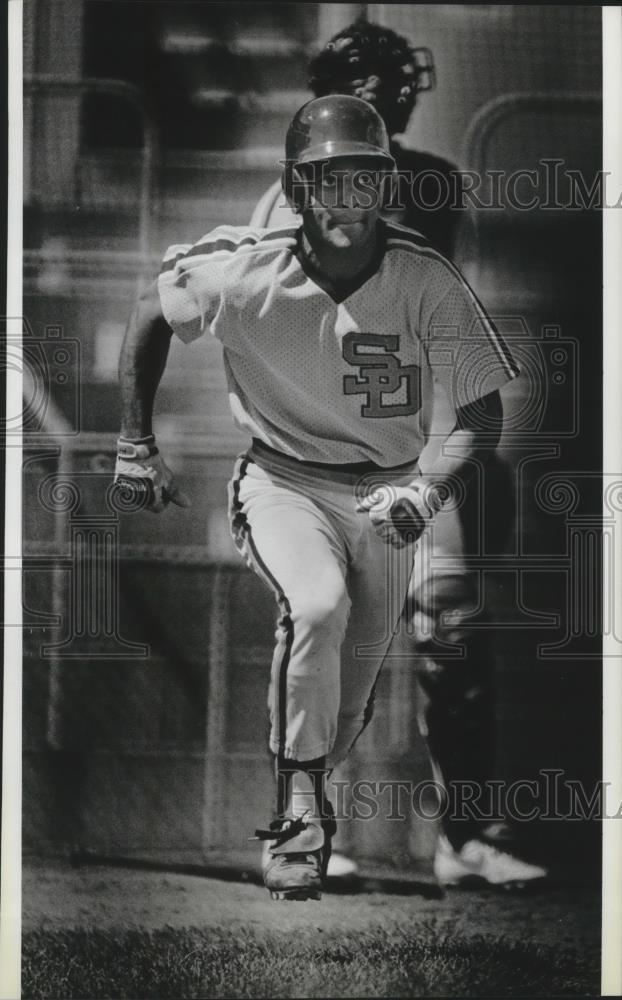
x=51, y=85
x=494, y=112
x=476, y=156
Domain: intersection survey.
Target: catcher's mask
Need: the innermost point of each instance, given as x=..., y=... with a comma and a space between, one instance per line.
x=329, y=128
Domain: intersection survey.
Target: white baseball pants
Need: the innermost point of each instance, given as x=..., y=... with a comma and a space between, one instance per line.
x=340, y=591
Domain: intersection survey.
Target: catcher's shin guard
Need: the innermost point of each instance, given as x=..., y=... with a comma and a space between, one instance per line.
x=296, y=856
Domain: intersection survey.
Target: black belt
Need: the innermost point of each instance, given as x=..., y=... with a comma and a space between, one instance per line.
x=354, y=468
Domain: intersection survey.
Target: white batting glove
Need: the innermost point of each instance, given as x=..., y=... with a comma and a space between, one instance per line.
x=144, y=477
x=400, y=514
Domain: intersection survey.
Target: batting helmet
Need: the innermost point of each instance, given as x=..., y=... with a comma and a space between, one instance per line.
x=336, y=125
x=333, y=126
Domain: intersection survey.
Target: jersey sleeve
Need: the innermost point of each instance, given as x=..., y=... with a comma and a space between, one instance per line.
x=466, y=352
x=193, y=278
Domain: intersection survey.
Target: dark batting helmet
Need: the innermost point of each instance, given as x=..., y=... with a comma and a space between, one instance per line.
x=330, y=127
x=336, y=125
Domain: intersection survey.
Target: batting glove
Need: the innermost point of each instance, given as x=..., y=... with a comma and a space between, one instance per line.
x=400, y=514
x=144, y=477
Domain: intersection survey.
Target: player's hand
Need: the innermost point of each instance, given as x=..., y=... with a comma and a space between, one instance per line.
x=143, y=476
x=400, y=514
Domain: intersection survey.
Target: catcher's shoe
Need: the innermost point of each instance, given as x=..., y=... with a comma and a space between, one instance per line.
x=296, y=856
x=340, y=866
x=478, y=863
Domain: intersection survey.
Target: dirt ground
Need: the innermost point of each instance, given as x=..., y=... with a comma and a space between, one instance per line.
x=57, y=896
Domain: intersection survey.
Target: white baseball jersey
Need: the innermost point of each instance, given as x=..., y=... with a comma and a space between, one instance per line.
x=337, y=376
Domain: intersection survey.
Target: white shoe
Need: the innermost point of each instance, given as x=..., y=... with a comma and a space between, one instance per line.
x=480, y=862
x=341, y=867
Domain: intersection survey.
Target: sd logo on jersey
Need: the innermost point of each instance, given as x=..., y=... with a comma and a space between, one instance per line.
x=381, y=375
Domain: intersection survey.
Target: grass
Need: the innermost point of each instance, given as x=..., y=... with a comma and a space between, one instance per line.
x=433, y=961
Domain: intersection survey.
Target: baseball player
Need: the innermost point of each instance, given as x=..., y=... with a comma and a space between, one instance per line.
x=333, y=333
x=381, y=67
x=457, y=717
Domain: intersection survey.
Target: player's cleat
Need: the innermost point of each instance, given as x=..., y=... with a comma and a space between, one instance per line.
x=478, y=863
x=296, y=856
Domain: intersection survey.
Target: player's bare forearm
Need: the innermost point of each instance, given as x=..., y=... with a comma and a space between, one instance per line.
x=474, y=438
x=141, y=364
